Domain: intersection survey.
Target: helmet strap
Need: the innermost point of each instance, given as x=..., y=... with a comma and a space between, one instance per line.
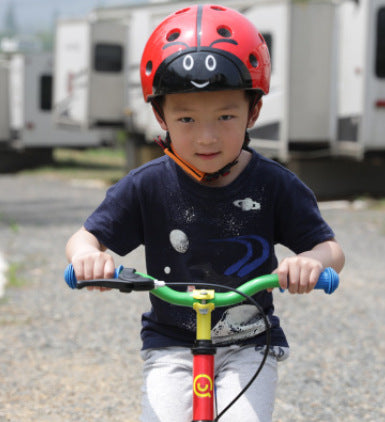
x=198, y=175
x=188, y=168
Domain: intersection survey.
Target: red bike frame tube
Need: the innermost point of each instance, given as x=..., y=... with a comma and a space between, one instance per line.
x=203, y=388
x=203, y=360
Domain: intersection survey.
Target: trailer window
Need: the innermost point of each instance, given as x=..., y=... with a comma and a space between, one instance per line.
x=380, y=51
x=46, y=92
x=108, y=57
x=269, y=41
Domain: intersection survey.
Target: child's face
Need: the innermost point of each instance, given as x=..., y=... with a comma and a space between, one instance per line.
x=207, y=129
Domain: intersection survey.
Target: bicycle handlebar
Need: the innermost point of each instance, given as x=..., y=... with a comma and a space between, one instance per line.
x=128, y=279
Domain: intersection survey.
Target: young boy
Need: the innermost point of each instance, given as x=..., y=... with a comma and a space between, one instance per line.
x=210, y=210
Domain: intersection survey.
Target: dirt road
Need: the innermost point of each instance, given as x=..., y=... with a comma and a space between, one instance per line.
x=73, y=356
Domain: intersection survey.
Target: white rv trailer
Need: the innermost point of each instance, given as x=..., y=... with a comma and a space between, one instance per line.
x=5, y=130
x=90, y=73
x=327, y=91
x=28, y=133
x=30, y=94
x=361, y=76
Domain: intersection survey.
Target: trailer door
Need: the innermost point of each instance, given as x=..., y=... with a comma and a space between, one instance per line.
x=4, y=103
x=373, y=128
x=107, y=89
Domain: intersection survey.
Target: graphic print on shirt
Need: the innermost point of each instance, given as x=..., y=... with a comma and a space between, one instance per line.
x=179, y=241
x=248, y=263
x=242, y=321
x=247, y=204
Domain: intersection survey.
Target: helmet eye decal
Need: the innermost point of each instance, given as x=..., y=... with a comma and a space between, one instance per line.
x=188, y=62
x=210, y=63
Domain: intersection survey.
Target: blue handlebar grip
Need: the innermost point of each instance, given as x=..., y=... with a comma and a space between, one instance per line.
x=70, y=278
x=328, y=281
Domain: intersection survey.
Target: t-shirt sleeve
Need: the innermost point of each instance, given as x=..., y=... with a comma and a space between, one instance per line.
x=299, y=224
x=117, y=222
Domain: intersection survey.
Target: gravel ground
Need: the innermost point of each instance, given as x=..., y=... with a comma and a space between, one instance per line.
x=73, y=356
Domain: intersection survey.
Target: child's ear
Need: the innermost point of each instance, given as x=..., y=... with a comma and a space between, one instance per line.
x=160, y=119
x=254, y=114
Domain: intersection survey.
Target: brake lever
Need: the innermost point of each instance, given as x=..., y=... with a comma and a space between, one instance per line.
x=126, y=280
x=109, y=283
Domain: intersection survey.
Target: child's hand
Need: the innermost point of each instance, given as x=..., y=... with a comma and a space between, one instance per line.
x=93, y=265
x=299, y=274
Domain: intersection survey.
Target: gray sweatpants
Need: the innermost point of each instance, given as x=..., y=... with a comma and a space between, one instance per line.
x=167, y=385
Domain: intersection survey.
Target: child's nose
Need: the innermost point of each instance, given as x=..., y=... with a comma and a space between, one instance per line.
x=207, y=135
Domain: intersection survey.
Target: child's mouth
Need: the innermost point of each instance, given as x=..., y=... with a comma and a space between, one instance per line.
x=208, y=156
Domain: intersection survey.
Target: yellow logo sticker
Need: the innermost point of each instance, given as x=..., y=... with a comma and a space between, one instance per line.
x=203, y=385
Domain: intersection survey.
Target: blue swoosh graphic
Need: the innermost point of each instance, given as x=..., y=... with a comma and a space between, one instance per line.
x=244, y=266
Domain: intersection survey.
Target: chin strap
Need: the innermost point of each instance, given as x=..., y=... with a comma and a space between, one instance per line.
x=188, y=168
x=198, y=175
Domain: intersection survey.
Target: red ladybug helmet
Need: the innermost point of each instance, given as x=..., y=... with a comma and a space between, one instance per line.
x=204, y=48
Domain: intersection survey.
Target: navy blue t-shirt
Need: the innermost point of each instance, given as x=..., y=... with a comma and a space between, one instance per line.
x=195, y=233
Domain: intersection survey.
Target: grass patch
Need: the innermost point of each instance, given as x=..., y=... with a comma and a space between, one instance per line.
x=9, y=222
x=105, y=164
x=12, y=275
x=14, y=226
x=379, y=204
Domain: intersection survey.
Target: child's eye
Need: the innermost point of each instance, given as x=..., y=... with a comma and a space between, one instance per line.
x=226, y=117
x=186, y=119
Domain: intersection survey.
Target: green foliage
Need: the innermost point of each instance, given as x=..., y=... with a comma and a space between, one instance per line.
x=13, y=277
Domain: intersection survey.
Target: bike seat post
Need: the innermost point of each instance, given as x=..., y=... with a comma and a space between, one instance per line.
x=203, y=360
